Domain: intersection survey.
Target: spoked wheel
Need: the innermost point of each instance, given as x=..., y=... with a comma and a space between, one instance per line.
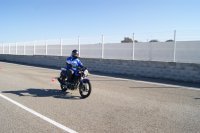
x=85, y=89
x=61, y=84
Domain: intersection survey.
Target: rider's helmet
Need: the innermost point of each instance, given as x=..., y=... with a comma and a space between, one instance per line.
x=75, y=53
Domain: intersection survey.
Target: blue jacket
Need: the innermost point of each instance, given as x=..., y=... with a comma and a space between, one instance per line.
x=73, y=63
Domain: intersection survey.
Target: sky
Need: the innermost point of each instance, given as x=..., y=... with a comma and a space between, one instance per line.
x=27, y=20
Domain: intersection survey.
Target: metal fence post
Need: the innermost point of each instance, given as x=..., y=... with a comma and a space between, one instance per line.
x=16, y=48
x=34, y=47
x=133, y=52
x=8, y=48
x=150, y=51
x=24, y=49
x=61, y=47
x=102, y=46
x=3, y=48
x=174, y=46
x=46, y=52
x=79, y=46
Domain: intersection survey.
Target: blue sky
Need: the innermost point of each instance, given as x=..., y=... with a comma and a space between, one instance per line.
x=26, y=20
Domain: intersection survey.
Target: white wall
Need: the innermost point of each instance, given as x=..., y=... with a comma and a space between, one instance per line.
x=186, y=51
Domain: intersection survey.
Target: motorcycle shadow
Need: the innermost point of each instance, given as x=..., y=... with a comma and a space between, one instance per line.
x=36, y=92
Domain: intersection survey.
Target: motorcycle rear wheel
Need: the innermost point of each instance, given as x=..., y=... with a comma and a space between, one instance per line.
x=63, y=88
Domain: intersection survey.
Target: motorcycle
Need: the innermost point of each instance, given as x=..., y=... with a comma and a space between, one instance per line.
x=79, y=81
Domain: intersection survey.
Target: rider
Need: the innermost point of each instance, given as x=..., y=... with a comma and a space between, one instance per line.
x=73, y=64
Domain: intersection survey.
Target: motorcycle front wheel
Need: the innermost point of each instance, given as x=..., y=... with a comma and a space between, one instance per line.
x=85, y=89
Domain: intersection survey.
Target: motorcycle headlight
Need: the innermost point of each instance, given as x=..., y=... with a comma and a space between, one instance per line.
x=86, y=73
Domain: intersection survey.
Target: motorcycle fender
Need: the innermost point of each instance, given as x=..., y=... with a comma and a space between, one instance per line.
x=85, y=80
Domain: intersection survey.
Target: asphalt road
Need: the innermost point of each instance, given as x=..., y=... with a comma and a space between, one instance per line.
x=115, y=105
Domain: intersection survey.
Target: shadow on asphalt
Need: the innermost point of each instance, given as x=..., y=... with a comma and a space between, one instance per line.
x=197, y=98
x=35, y=92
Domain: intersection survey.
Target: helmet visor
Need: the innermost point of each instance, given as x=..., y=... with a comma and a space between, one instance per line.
x=75, y=54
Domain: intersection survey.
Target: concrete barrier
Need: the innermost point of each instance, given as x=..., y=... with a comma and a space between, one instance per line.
x=150, y=69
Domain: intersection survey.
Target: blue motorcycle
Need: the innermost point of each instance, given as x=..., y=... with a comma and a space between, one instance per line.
x=79, y=81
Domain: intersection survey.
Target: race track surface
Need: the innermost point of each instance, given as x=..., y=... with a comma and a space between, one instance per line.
x=114, y=106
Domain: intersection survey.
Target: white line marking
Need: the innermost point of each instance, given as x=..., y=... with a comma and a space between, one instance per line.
x=147, y=82
x=40, y=115
x=153, y=83
x=139, y=81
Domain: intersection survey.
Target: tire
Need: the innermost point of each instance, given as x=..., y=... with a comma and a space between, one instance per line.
x=82, y=89
x=63, y=88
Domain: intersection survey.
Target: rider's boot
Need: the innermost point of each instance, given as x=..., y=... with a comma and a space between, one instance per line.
x=60, y=81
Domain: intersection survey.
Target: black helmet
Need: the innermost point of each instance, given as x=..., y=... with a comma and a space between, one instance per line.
x=75, y=53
